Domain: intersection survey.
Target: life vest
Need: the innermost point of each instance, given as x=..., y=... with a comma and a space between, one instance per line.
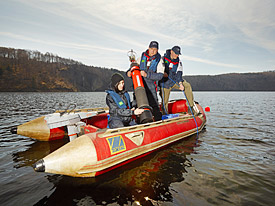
x=148, y=62
x=170, y=64
x=120, y=103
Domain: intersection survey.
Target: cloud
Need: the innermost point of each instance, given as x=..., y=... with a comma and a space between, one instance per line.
x=206, y=61
x=250, y=21
x=61, y=44
x=190, y=23
x=207, y=29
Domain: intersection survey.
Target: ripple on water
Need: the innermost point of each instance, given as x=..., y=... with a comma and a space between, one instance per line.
x=231, y=163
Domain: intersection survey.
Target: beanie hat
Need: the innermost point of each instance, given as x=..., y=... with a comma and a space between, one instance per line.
x=116, y=78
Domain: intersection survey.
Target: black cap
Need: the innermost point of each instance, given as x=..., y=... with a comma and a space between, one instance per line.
x=116, y=78
x=176, y=49
x=154, y=44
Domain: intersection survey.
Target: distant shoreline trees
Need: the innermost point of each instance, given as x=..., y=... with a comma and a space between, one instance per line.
x=26, y=70
x=18, y=54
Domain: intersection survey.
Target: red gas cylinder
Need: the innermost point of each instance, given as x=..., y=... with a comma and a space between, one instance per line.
x=177, y=106
x=136, y=77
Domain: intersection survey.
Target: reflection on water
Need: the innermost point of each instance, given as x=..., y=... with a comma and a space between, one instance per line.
x=232, y=162
x=146, y=180
x=35, y=152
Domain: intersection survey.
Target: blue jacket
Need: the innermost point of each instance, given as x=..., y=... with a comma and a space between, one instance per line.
x=119, y=105
x=151, y=71
x=150, y=82
x=172, y=72
x=118, y=100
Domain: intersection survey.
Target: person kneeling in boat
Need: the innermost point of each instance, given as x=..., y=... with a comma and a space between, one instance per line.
x=119, y=103
x=172, y=79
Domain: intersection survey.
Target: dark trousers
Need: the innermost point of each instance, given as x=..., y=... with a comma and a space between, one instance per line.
x=151, y=93
x=115, y=122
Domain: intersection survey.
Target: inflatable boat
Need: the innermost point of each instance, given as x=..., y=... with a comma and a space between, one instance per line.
x=62, y=124
x=98, y=149
x=70, y=124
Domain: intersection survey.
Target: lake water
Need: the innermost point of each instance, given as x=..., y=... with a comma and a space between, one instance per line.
x=231, y=162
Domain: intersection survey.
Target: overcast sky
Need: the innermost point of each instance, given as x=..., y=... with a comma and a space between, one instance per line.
x=216, y=36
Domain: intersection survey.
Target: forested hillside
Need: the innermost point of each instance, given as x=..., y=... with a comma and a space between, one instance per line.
x=25, y=70
x=262, y=81
x=22, y=70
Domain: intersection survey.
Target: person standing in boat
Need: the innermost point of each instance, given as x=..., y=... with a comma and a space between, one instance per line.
x=152, y=70
x=172, y=79
x=119, y=103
